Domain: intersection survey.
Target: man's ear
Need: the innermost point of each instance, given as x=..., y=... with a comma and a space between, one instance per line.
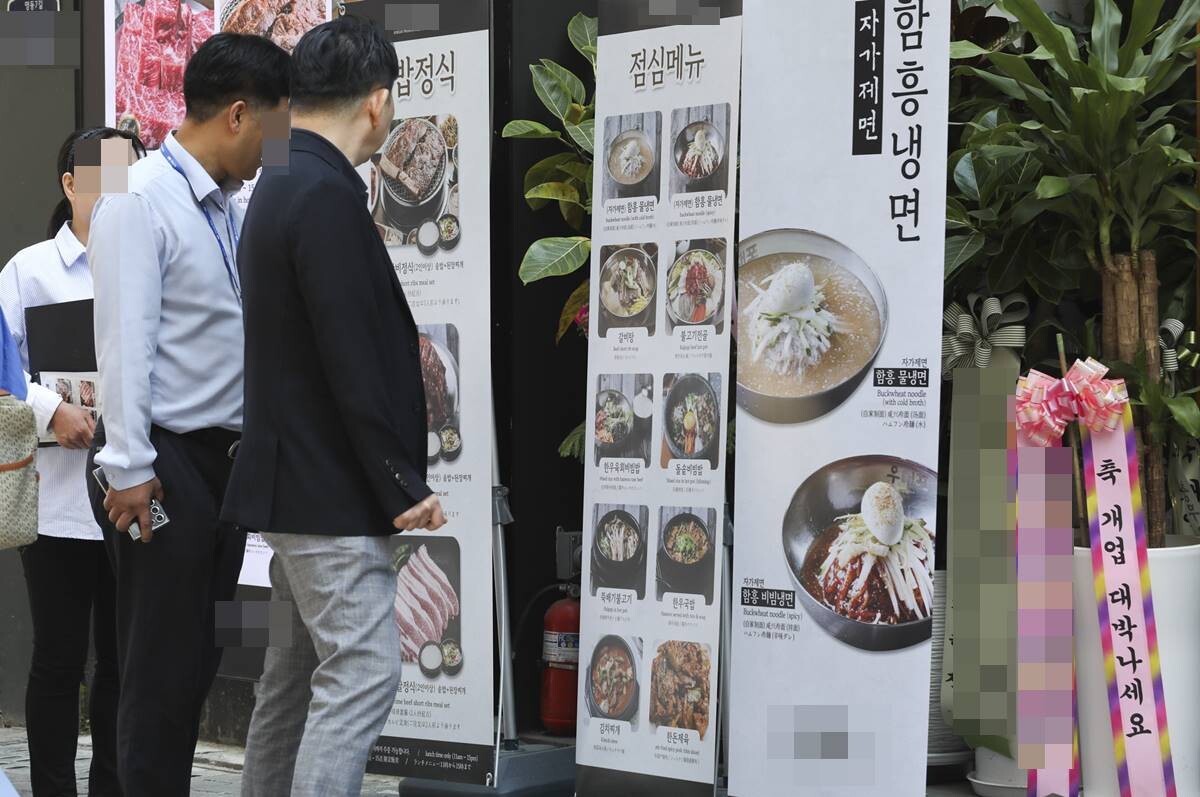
x=377, y=103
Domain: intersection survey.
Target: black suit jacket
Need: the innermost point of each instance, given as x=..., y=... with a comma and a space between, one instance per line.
x=334, y=437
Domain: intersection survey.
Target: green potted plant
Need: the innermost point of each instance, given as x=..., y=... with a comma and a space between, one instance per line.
x=563, y=181
x=1117, y=175
x=1114, y=165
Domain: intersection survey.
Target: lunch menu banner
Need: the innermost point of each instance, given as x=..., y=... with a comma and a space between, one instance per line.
x=666, y=128
x=428, y=189
x=838, y=345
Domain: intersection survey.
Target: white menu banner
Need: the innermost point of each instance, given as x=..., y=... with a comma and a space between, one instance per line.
x=666, y=128
x=429, y=192
x=839, y=323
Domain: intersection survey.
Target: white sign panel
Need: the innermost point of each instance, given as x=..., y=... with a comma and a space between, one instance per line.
x=839, y=323
x=429, y=190
x=666, y=128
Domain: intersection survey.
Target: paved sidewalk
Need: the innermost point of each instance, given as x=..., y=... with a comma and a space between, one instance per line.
x=217, y=770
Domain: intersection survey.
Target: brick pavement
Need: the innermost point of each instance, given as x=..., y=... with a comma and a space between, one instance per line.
x=217, y=771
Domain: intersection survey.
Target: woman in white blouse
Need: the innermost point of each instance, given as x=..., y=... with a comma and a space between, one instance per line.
x=67, y=571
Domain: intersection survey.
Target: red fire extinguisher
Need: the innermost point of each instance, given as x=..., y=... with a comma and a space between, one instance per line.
x=560, y=665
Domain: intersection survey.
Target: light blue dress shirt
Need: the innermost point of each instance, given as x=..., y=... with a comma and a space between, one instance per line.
x=169, y=337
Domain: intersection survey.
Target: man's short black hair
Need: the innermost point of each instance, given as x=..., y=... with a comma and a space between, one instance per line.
x=341, y=62
x=231, y=66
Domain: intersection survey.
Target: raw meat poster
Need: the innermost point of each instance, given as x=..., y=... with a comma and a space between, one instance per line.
x=838, y=362
x=149, y=42
x=429, y=191
x=654, y=485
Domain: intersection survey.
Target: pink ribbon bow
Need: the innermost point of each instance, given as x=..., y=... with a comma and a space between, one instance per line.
x=1046, y=405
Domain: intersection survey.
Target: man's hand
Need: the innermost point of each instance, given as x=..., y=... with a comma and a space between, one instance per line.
x=73, y=426
x=425, y=515
x=126, y=506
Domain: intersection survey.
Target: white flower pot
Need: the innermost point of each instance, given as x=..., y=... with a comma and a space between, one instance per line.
x=1175, y=577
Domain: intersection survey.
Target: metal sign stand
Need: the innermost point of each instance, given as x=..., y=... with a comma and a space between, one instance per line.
x=523, y=769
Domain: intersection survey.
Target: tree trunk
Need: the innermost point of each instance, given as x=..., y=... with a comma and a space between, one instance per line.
x=1108, y=315
x=1148, y=309
x=1125, y=298
x=1155, y=476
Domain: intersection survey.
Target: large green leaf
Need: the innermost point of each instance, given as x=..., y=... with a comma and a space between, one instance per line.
x=963, y=50
x=1052, y=187
x=581, y=30
x=559, y=191
x=553, y=93
x=526, y=128
x=570, y=311
x=544, y=171
x=1007, y=85
x=1058, y=41
x=960, y=249
x=956, y=215
x=1007, y=270
x=1186, y=413
x=567, y=78
x=1172, y=35
x=1106, y=35
x=573, y=214
x=1185, y=194
x=1142, y=22
x=966, y=178
x=554, y=257
x=578, y=169
x=584, y=134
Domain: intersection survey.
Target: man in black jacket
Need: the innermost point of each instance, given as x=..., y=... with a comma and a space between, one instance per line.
x=332, y=458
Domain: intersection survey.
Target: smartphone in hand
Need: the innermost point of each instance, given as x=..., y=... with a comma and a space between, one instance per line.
x=158, y=515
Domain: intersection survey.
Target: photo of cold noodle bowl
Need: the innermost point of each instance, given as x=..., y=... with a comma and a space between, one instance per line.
x=282, y=21
x=696, y=284
x=859, y=539
x=413, y=185
x=692, y=417
x=686, y=552
x=427, y=604
x=630, y=156
x=154, y=40
x=628, y=287
x=679, y=686
x=812, y=317
x=439, y=368
x=619, y=544
x=611, y=688
x=624, y=415
x=699, y=137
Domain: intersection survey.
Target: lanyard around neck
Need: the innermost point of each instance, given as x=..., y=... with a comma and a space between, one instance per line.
x=230, y=262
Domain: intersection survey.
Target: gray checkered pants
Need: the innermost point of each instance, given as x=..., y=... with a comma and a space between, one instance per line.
x=324, y=698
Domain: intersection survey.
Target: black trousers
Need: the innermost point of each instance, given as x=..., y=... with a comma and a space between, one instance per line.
x=71, y=591
x=167, y=592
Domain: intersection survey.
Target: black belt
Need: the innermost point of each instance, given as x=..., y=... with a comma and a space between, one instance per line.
x=215, y=438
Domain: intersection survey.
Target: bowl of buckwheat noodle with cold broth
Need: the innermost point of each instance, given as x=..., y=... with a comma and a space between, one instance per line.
x=812, y=317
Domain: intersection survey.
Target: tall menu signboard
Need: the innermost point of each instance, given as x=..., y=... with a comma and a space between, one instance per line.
x=666, y=128
x=429, y=191
x=838, y=338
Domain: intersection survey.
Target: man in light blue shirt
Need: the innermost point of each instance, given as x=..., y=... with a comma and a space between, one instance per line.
x=169, y=346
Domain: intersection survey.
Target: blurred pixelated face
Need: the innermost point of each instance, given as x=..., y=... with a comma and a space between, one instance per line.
x=101, y=167
x=259, y=137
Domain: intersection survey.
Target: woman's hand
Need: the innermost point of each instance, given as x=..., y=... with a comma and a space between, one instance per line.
x=73, y=426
